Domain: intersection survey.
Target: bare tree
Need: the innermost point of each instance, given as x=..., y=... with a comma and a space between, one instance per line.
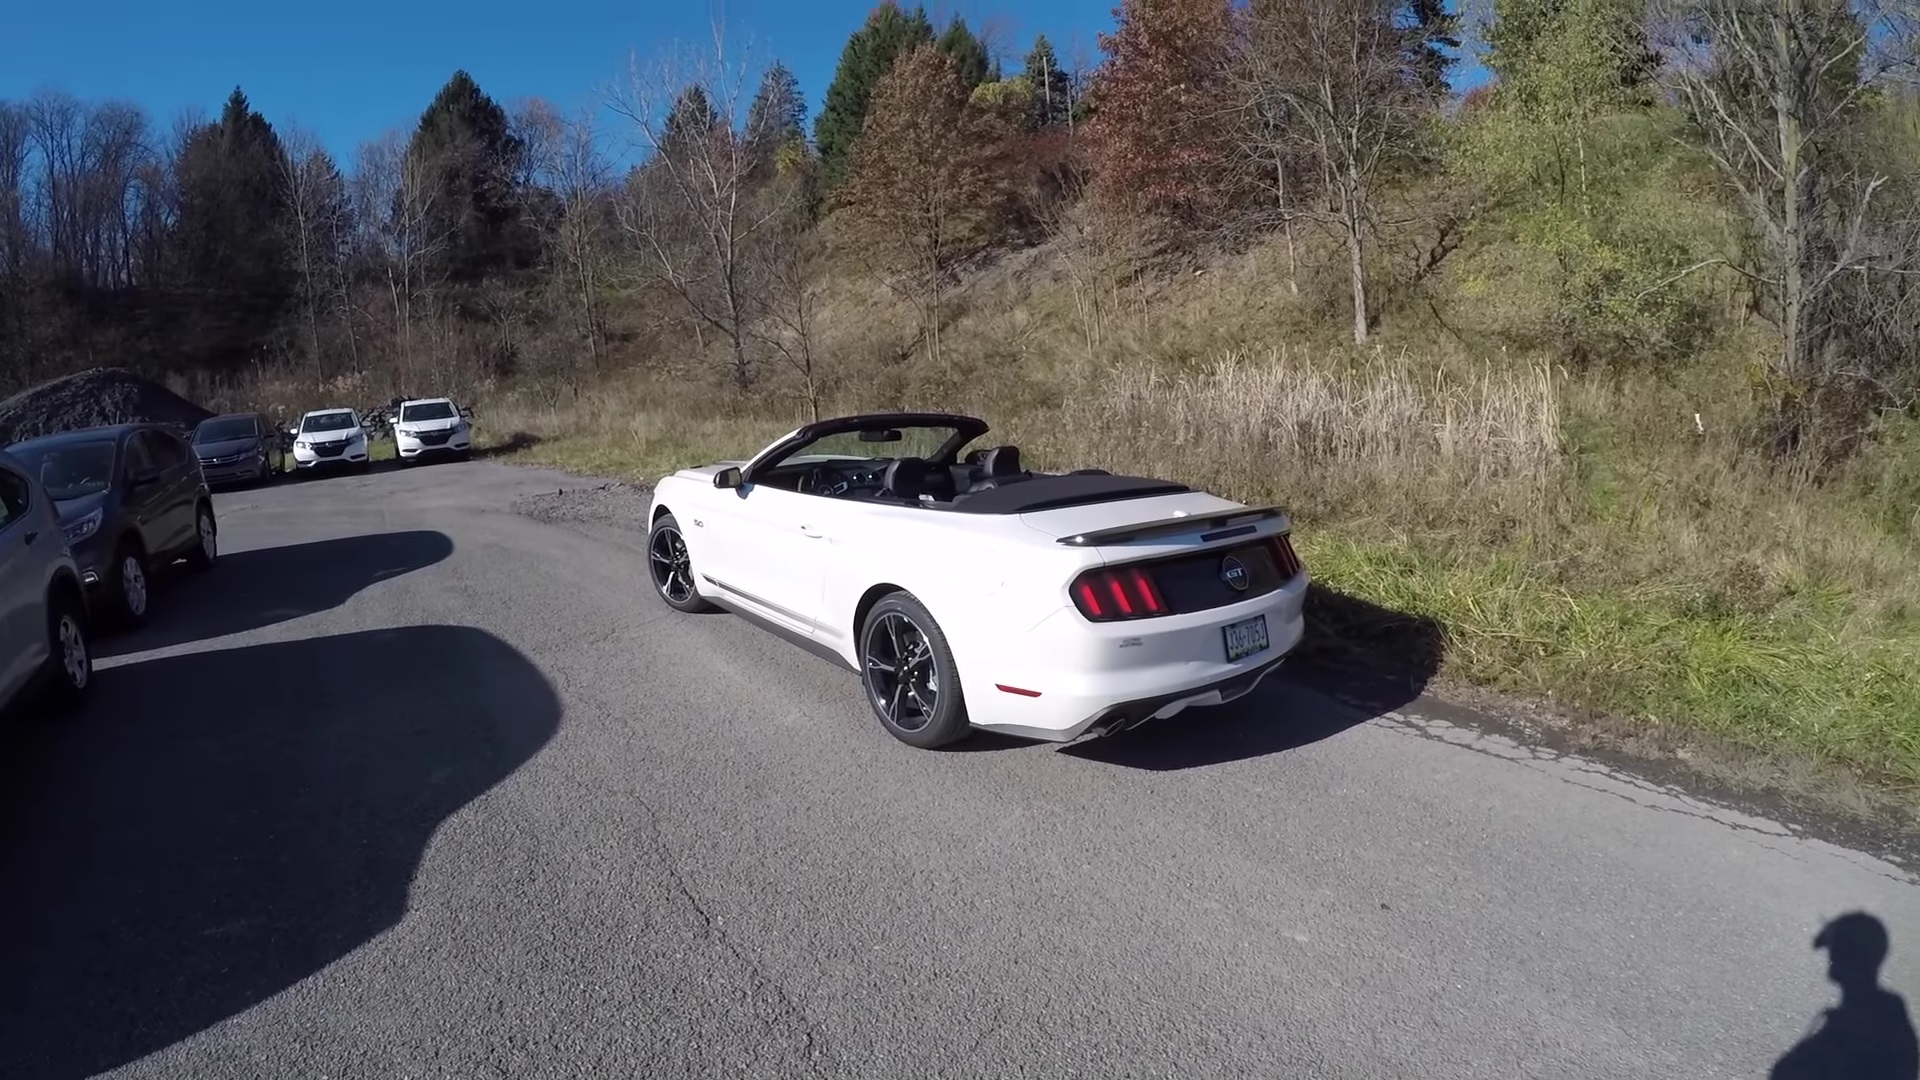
x=565, y=164
x=395, y=195
x=791, y=275
x=1326, y=84
x=315, y=197
x=692, y=211
x=1778, y=89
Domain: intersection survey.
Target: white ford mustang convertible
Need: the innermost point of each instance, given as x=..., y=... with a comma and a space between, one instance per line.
x=969, y=592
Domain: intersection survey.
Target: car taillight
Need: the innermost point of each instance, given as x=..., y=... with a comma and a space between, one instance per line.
x=1284, y=558
x=1120, y=592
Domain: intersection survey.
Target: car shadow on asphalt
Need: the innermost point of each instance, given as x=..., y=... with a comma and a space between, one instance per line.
x=247, y=590
x=1357, y=662
x=218, y=826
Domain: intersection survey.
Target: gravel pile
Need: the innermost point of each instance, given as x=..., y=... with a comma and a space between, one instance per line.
x=92, y=398
x=618, y=504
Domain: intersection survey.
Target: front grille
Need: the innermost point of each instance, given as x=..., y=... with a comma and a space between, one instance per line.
x=330, y=449
x=434, y=438
x=1198, y=582
x=230, y=459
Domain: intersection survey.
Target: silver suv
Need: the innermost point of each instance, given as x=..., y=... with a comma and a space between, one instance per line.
x=44, y=648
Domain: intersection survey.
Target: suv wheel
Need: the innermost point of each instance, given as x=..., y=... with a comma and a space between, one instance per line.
x=129, y=584
x=206, y=546
x=68, y=675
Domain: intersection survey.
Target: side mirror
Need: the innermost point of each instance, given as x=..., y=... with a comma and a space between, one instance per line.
x=466, y=411
x=728, y=477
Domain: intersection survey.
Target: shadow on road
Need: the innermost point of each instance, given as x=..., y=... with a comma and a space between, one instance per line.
x=246, y=590
x=1359, y=661
x=1869, y=1035
x=220, y=825
x=514, y=443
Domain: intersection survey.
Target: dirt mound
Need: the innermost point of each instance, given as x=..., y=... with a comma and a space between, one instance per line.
x=91, y=398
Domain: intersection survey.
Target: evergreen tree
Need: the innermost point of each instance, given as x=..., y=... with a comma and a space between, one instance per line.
x=230, y=233
x=691, y=120
x=1052, y=86
x=1431, y=33
x=968, y=53
x=869, y=55
x=475, y=162
x=777, y=119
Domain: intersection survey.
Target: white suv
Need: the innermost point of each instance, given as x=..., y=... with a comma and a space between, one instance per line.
x=329, y=437
x=429, y=427
x=44, y=644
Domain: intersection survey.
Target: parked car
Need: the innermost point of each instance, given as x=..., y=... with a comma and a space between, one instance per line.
x=977, y=593
x=130, y=498
x=45, y=650
x=432, y=427
x=239, y=446
x=328, y=438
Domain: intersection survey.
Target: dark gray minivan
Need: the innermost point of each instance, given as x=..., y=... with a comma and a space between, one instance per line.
x=239, y=447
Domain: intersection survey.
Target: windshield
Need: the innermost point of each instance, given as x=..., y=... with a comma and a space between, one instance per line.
x=428, y=410
x=920, y=442
x=332, y=421
x=225, y=430
x=71, y=470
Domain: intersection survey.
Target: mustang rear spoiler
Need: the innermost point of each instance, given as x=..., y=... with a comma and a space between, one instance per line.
x=1226, y=523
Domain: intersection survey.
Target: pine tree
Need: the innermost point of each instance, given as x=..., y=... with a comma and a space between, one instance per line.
x=475, y=162
x=868, y=56
x=691, y=120
x=968, y=53
x=230, y=232
x=1431, y=34
x=1052, y=86
x=777, y=119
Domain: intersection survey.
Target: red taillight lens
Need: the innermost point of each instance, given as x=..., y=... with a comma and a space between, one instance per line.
x=1126, y=592
x=1284, y=558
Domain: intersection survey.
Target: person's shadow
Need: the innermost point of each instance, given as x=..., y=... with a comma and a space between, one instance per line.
x=1868, y=1036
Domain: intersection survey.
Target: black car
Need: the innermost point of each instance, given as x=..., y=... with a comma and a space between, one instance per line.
x=238, y=446
x=131, y=498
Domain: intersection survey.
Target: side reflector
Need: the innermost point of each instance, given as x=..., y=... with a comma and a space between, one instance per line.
x=1016, y=690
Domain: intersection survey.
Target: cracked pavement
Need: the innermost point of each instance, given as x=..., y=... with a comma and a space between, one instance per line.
x=422, y=781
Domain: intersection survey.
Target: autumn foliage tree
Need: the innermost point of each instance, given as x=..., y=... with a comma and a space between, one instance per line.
x=917, y=175
x=1159, y=137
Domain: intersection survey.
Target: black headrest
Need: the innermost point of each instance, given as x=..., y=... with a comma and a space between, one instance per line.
x=912, y=477
x=1002, y=462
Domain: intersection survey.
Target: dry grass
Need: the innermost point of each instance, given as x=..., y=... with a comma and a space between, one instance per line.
x=1575, y=535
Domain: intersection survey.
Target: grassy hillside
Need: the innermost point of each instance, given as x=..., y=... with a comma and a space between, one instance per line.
x=1602, y=536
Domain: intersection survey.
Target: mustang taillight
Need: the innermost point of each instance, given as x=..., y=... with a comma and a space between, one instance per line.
x=1121, y=592
x=1284, y=557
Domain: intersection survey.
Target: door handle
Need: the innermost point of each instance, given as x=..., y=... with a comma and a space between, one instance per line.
x=810, y=531
x=32, y=535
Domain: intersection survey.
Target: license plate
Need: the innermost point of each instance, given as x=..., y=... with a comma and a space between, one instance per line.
x=1245, y=638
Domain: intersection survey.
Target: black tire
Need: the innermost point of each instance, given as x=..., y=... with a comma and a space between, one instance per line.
x=65, y=687
x=904, y=660
x=206, y=539
x=670, y=568
x=130, y=584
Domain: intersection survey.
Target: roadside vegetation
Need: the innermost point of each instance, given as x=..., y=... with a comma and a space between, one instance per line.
x=1607, y=366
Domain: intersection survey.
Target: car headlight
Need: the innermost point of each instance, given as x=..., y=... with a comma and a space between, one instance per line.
x=80, y=528
x=303, y=445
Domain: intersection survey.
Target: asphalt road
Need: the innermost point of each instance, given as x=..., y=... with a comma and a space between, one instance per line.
x=422, y=781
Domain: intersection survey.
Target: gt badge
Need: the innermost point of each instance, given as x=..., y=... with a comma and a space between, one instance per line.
x=1234, y=573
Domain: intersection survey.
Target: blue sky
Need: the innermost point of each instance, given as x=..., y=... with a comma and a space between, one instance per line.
x=350, y=69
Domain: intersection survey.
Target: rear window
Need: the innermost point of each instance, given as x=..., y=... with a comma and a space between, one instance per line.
x=428, y=410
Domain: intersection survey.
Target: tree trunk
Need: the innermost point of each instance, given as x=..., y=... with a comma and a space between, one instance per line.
x=1357, y=265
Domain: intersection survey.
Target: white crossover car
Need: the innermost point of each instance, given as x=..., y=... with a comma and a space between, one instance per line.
x=330, y=438
x=969, y=592
x=431, y=427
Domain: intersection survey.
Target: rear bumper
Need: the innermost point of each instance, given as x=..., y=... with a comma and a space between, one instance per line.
x=1068, y=677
